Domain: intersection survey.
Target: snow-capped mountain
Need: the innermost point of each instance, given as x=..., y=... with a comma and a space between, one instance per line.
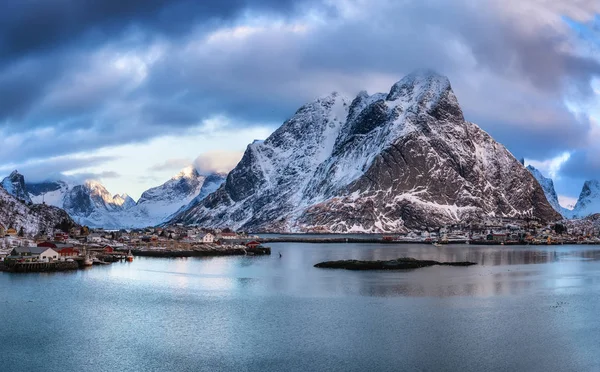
x=548, y=187
x=33, y=218
x=589, y=200
x=159, y=203
x=14, y=184
x=379, y=163
x=123, y=200
x=93, y=205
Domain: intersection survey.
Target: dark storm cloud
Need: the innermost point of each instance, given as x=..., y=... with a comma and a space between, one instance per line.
x=40, y=25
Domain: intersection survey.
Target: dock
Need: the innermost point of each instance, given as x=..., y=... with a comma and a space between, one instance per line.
x=39, y=267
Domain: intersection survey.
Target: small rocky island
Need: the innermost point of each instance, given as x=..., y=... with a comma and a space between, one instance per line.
x=405, y=263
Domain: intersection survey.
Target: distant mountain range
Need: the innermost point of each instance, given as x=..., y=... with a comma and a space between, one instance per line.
x=91, y=204
x=387, y=162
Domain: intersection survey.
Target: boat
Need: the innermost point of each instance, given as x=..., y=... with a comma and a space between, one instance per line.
x=437, y=244
x=129, y=257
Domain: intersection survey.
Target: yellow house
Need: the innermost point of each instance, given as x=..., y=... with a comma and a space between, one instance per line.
x=12, y=232
x=2, y=231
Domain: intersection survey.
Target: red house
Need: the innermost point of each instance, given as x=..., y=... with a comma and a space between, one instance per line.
x=253, y=244
x=108, y=249
x=61, y=236
x=64, y=250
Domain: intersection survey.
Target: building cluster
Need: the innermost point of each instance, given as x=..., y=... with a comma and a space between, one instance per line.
x=74, y=243
x=506, y=230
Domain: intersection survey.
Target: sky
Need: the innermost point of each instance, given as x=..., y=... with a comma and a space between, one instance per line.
x=129, y=92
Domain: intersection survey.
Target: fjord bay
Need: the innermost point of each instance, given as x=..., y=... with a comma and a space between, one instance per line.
x=520, y=308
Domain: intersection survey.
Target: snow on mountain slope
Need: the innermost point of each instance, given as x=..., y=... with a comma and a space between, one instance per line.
x=33, y=219
x=588, y=202
x=14, y=184
x=49, y=192
x=158, y=203
x=548, y=187
x=92, y=205
x=381, y=163
x=125, y=201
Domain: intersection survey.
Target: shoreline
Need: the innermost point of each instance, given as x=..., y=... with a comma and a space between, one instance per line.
x=338, y=240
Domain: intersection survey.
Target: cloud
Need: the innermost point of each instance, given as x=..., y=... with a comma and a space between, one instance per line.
x=55, y=168
x=217, y=161
x=35, y=26
x=171, y=165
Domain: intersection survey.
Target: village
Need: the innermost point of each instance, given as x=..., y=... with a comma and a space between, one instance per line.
x=82, y=246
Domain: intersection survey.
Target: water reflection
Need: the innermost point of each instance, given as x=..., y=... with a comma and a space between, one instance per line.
x=273, y=314
x=502, y=270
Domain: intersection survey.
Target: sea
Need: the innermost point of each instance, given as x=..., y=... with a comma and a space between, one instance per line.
x=522, y=308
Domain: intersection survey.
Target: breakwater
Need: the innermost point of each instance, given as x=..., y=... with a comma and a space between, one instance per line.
x=202, y=251
x=38, y=267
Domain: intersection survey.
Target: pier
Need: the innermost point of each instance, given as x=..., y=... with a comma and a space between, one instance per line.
x=179, y=249
x=39, y=267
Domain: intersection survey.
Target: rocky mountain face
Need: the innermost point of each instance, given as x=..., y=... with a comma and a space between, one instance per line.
x=387, y=162
x=14, y=184
x=548, y=187
x=588, y=202
x=33, y=218
x=91, y=204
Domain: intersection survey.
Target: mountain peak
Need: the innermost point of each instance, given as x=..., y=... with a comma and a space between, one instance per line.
x=589, y=200
x=591, y=185
x=14, y=184
x=187, y=172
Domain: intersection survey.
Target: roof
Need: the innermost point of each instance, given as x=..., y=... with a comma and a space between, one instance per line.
x=32, y=250
x=56, y=245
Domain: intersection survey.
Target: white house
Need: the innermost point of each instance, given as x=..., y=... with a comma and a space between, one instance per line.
x=206, y=238
x=228, y=236
x=94, y=238
x=39, y=253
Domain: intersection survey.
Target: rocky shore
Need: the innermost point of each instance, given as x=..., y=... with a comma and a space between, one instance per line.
x=397, y=264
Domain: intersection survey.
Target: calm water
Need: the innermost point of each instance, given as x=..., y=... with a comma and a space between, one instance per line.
x=523, y=308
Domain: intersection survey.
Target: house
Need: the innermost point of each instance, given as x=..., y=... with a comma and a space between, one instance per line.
x=206, y=238
x=228, y=235
x=63, y=250
x=253, y=244
x=108, y=249
x=94, y=238
x=497, y=237
x=36, y=253
x=61, y=236
x=11, y=231
x=2, y=231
